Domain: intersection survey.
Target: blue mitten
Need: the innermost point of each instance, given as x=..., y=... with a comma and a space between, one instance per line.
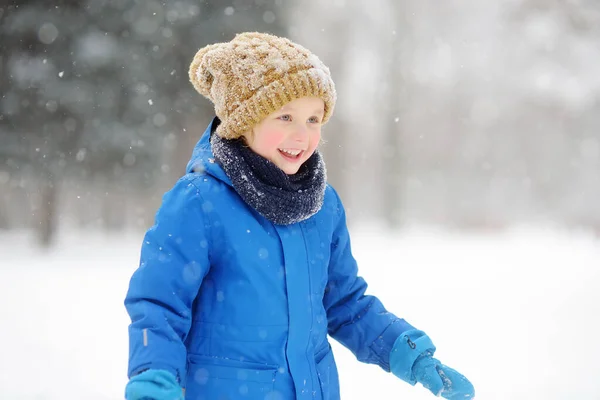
x=412, y=361
x=442, y=380
x=153, y=384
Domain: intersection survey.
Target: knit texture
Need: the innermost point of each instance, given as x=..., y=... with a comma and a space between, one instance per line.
x=281, y=198
x=255, y=75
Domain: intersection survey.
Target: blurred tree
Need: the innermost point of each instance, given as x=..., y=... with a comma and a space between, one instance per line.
x=95, y=90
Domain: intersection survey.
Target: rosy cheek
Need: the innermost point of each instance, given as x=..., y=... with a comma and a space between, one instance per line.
x=314, y=140
x=272, y=139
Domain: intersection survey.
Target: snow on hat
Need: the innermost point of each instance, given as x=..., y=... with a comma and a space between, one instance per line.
x=256, y=74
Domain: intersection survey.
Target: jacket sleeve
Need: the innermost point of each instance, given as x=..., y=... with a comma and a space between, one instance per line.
x=174, y=261
x=358, y=321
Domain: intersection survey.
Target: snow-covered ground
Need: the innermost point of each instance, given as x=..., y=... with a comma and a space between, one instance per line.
x=518, y=313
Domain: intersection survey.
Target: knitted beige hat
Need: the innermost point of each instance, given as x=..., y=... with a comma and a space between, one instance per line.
x=256, y=74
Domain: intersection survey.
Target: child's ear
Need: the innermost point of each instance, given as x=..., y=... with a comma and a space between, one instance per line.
x=247, y=136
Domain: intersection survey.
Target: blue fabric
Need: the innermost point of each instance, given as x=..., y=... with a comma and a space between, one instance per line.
x=238, y=307
x=442, y=380
x=153, y=384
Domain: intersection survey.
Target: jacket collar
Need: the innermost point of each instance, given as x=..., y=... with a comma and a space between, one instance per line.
x=203, y=159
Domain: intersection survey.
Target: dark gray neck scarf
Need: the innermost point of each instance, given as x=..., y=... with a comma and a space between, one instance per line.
x=282, y=199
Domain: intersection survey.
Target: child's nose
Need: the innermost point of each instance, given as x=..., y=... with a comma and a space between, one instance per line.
x=300, y=133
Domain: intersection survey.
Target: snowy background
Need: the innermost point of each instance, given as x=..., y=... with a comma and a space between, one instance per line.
x=465, y=145
x=516, y=312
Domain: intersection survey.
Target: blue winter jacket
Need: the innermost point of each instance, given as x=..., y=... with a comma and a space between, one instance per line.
x=239, y=308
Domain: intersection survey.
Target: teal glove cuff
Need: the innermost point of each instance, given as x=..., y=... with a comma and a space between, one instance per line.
x=407, y=348
x=153, y=384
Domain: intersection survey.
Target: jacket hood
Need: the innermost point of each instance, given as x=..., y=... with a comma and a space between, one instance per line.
x=203, y=159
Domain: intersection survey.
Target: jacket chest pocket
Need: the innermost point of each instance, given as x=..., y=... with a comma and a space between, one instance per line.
x=207, y=381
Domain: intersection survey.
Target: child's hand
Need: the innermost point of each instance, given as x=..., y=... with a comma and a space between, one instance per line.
x=153, y=384
x=411, y=360
x=442, y=380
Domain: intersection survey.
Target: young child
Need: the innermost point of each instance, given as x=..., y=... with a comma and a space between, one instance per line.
x=248, y=267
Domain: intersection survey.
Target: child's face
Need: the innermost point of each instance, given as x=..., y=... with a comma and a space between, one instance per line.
x=289, y=136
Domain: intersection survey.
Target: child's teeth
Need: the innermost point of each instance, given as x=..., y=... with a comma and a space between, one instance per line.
x=292, y=153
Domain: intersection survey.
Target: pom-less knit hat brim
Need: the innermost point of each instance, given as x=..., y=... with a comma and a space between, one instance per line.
x=255, y=75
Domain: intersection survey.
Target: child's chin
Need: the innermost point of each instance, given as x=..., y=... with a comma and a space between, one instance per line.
x=290, y=171
x=289, y=168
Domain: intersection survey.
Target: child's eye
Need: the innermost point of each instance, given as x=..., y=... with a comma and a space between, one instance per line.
x=313, y=120
x=286, y=117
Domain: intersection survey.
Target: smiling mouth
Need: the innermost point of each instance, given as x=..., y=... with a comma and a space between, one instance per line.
x=291, y=154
